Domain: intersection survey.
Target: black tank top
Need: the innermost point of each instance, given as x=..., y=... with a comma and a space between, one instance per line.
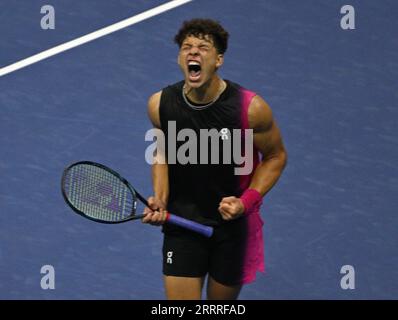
x=196, y=189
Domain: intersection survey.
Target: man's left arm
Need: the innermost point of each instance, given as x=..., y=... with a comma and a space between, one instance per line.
x=268, y=141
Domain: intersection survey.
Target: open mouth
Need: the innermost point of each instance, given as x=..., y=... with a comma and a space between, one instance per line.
x=194, y=70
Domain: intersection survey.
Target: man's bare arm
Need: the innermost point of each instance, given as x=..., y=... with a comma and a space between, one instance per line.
x=268, y=140
x=160, y=176
x=159, y=168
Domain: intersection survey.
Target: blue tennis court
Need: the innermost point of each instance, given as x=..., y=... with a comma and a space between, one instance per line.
x=334, y=94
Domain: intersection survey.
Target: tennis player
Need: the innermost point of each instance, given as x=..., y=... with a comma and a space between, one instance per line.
x=212, y=194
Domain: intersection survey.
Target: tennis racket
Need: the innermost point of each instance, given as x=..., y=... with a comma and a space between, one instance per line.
x=98, y=193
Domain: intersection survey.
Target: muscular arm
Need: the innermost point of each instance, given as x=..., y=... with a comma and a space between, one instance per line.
x=268, y=141
x=160, y=176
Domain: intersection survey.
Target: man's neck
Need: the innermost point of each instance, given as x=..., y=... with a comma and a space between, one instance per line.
x=206, y=93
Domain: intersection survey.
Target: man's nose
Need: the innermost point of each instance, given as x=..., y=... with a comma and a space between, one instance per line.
x=194, y=50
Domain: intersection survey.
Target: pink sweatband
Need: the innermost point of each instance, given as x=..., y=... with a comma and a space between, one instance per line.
x=251, y=200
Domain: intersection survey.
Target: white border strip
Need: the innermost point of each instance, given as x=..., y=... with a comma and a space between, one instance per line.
x=92, y=36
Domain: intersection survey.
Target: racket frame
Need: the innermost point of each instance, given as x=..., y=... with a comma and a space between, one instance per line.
x=194, y=226
x=134, y=193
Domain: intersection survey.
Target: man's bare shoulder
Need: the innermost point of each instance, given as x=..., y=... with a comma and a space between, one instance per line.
x=154, y=99
x=260, y=114
x=153, y=108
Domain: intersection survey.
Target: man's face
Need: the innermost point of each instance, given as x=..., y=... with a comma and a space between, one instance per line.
x=199, y=60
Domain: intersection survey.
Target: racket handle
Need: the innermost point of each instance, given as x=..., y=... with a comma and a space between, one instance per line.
x=191, y=225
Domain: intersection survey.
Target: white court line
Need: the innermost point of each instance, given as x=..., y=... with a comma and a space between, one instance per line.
x=92, y=36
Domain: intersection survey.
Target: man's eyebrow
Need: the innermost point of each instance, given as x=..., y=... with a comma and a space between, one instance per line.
x=205, y=43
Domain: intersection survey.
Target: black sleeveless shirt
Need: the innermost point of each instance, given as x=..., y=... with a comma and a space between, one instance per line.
x=197, y=187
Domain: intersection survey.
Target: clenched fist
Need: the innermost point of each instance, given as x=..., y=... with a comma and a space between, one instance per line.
x=231, y=208
x=156, y=213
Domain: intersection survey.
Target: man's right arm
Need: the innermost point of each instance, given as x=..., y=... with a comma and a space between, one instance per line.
x=160, y=176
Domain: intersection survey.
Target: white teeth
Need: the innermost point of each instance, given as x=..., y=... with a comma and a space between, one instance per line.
x=193, y=63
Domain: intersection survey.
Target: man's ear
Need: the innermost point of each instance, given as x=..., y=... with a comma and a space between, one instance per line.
x=178, y=59
x=220, y=60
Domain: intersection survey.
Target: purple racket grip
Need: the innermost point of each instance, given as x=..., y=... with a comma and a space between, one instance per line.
x=191, y=225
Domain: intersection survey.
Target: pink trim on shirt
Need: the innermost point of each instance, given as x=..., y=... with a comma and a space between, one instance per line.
x=254, y=251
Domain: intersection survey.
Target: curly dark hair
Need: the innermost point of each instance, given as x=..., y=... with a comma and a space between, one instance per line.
x=201, y=28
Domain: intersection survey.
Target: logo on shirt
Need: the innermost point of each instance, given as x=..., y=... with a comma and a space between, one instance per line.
x=224, y=133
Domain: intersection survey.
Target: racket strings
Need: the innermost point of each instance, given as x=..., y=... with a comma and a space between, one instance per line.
x=98, y=193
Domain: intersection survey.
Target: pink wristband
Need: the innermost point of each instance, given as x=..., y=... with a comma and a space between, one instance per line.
x=251, y=200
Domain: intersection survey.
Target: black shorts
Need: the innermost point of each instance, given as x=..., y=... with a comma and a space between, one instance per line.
x=224, y=256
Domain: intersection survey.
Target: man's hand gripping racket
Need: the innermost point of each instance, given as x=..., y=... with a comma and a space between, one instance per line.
x=98, y=193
